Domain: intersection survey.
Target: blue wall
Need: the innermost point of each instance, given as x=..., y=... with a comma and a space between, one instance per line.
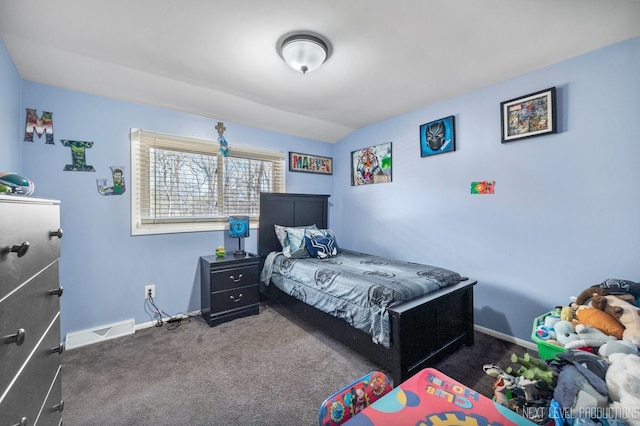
x=564, y=214
x=10, y=133
x=103, y=268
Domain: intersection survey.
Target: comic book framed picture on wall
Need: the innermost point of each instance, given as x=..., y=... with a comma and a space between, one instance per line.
x=528, y=116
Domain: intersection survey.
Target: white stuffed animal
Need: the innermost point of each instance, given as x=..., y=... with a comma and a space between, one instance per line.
x=623, y=383
x=630, y=318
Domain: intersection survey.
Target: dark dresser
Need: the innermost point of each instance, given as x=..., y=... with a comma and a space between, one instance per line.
x=229, y=287
x=30, y=345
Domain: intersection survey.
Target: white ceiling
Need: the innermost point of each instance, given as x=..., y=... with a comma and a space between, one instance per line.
x=218, y=59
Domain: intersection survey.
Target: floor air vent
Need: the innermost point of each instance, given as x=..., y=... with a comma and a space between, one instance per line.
x=99, y=334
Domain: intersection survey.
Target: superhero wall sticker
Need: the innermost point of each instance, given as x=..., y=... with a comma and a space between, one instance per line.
x=39, y=125
x=43, y=125
x=118, y=182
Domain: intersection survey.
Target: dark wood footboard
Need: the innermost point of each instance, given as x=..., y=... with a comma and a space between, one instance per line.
x=423, y=330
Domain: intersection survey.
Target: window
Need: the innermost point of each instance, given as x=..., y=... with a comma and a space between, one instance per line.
x=184, y=185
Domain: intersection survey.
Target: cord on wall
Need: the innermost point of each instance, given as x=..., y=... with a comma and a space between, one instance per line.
x=158, y=314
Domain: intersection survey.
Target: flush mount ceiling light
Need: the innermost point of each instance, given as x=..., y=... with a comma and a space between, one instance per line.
x=303, y=52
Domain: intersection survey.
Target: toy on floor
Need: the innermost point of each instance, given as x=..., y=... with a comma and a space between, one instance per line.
x=617, y=347
x=525, y=388
x=630, y=317
x=623, y=382
x=531, y=368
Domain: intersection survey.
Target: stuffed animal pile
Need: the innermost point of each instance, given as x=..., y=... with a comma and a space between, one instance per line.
x=596, y=380
x=603, y=319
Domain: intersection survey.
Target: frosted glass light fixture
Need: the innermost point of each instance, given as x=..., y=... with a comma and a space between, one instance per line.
x=303, y=52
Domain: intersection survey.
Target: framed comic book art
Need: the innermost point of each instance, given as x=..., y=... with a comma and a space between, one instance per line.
x=529, y=116
x=438, y=136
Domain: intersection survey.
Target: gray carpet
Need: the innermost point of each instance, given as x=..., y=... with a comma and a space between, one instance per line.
x=269, y=369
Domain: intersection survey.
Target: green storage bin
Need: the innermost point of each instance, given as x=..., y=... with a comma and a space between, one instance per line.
x=546, y=350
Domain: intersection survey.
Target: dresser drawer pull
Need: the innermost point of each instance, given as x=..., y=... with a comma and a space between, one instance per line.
x=57, y=233
x=58, y=349
x=23, y=422
x=20, y=249
x=236, y=280
x=17, y=338
x=57, y=291
x=59, y=407
x=236, y=299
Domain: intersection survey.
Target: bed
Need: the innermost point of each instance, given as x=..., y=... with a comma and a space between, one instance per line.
x=422, y=330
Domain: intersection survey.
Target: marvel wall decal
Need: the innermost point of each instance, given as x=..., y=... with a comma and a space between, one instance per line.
x=118, y=187
x=438, y=136
x=78, y=161
x=39, y=125
x=310, y=163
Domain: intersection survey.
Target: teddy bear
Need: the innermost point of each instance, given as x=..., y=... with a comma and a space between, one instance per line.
x=588, y=293
x=567, y=313
x=630, y=317
x=579, y=336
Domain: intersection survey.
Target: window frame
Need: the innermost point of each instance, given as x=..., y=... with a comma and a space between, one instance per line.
x=171, y=226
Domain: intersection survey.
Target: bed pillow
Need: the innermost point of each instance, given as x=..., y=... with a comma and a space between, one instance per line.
x=281, y=231
x=293, y=246
x=320, y=243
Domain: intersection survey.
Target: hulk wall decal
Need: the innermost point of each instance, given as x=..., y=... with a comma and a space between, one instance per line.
x=79, y=163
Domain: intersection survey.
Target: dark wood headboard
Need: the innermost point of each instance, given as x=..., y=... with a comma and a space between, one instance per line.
x=288, y=210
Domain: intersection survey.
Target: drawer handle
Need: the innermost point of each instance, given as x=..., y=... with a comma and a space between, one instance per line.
x=23, y=422
x=58, y=349
x=20, y=249
x=17, y=338
x=236, y=299
x=57, y=291
x=234, y=278
x=59, y=407
x=57, y=233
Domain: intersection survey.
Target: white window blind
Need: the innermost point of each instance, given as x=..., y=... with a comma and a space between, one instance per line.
x=182, y=184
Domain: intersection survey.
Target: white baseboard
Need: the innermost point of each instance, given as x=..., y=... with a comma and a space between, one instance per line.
x=150, y=324
x=111, y=331
x=506, y=337
x=99, y=334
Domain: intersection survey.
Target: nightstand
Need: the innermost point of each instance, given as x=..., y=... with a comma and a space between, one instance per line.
x=229, y=287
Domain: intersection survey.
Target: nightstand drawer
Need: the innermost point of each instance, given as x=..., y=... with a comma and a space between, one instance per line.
x=224, y=279
x=229, y=287
x=233, y=299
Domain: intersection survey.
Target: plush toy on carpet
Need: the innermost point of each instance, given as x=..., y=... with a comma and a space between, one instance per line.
x=623, y=382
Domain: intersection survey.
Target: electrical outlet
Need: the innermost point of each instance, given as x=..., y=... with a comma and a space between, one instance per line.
x=149, y=291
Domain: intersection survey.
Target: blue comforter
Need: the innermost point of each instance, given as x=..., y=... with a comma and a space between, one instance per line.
x=354, y=286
